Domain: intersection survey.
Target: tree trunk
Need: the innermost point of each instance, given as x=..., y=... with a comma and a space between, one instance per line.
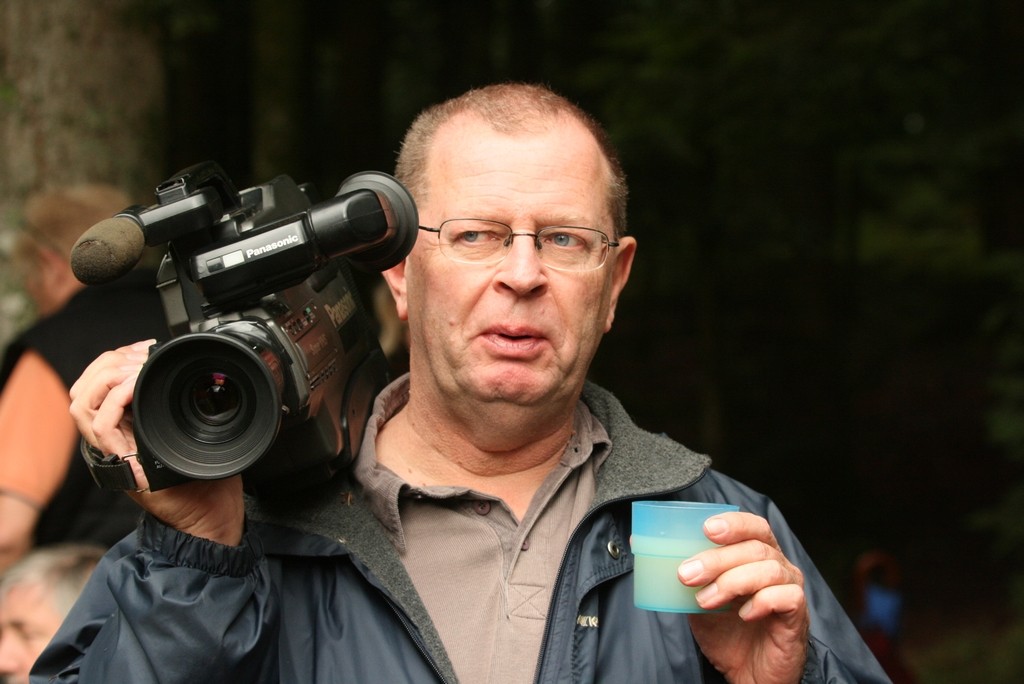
x=81, y=99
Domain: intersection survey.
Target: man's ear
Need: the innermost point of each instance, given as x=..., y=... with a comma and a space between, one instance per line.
x=395, y=278
x=624, y=254
x=56, y=276
x=51, y=261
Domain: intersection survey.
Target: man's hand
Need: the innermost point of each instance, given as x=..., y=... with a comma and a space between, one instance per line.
x=211, y=509
x=762, y=636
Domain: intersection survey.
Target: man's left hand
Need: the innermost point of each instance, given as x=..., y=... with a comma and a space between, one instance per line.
x=762, y=635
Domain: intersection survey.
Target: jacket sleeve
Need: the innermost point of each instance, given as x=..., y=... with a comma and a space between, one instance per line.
x=164, y=606
x=836, y=653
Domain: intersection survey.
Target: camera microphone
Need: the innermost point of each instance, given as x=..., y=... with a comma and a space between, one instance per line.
x=107, y=250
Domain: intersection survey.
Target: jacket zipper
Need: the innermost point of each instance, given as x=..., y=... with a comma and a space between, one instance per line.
x=572, y=539
x=415, y=636
x=559, y=578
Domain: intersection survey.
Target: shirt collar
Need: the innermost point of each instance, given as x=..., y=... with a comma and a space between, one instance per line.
x=384, y=489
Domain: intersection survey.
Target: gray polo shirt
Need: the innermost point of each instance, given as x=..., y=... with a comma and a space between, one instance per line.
x=484, y=576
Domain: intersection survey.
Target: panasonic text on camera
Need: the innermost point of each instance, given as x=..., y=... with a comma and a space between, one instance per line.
x=271, y=246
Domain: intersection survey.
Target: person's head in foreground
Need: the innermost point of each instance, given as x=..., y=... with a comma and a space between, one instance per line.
x=35, y=595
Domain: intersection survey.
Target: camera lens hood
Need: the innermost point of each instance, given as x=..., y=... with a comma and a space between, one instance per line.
x=206, y=406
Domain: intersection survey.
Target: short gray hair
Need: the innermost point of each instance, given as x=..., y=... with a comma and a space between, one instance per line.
x=507, y=108
x=62, y=569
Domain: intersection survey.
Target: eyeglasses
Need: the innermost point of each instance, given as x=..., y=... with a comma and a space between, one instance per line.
x=480, y=241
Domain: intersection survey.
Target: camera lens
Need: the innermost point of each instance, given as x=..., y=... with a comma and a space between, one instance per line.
x=207, y=405
x=215, y=399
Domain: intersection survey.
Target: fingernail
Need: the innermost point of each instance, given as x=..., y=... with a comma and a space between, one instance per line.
x=691, y=570
x=706, y=593
x=715, y=526
x=143, y=346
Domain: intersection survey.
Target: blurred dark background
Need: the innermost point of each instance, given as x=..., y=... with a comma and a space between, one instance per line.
x=828, y=296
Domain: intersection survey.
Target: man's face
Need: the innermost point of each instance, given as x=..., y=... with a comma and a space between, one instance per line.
x=517, y=331
x=27, y=623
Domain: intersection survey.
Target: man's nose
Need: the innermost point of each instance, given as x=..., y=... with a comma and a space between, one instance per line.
x=12, y=656
x=521, y=269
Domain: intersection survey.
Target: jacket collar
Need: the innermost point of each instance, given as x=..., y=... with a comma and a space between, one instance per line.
x=641, y=464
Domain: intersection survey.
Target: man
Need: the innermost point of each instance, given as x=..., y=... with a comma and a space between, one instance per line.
x=35, y=595
x=46, y=493
x=482, y=535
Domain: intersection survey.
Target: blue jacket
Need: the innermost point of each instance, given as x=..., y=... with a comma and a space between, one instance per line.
x=316, y=593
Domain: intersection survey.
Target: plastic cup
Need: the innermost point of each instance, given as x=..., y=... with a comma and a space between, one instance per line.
x=665, y=533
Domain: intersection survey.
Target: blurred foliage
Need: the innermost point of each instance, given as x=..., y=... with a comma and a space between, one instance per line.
x=1006, y=427
x=968, y=658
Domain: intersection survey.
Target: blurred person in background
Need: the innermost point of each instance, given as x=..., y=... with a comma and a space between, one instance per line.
x=878, y=611
x=46, y=492
x=35, y=595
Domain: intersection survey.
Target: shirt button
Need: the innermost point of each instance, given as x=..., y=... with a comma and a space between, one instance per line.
x=482, y=507
x=613, y=550
x=526, y=545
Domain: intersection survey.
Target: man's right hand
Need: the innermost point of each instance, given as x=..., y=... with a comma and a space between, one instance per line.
x=100, y=401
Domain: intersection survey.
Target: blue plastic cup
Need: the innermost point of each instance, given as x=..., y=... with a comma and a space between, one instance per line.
x=665, y=533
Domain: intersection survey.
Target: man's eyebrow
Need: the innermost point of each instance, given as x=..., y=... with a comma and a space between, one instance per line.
x=19, y=626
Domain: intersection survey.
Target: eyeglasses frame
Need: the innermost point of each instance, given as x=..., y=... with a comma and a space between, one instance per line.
x=512, y=234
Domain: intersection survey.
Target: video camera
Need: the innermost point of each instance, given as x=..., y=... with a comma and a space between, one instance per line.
x=273, y=363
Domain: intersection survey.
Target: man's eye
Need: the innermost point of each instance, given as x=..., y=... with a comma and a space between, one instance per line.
x=476, y=237
x=564, y=240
